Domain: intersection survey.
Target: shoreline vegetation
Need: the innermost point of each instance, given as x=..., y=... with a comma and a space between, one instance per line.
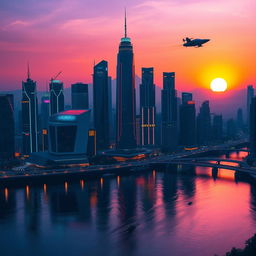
x=249, y=249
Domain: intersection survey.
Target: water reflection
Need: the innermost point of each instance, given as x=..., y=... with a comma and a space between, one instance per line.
x=182, y=211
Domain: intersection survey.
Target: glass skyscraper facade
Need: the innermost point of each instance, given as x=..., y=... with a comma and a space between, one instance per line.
x=169, y=113
x=147, y=107
x=56, y=97
x=29, y=117
x=101, y=106
x=126, y=104
x=6, y=127
x=79, y=96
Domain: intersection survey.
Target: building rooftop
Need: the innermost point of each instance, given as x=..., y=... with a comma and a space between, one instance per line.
x=73, y=112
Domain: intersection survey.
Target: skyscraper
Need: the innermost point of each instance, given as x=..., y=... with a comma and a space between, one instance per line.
x=44, y=118
x=240, y=119
x=217, y=128
x=187, y=122
x=204, y=124
x=45, y=110
x=101, y=104
x=126, y=109
x=6, y=127
x=169, y=113
x=29, y=116
x=253, y=127
x=250, y=95
x=112, y=123
x=186, y=96
x=231, y=131
x=56, y=97
x=79, y=96
x=147, y=107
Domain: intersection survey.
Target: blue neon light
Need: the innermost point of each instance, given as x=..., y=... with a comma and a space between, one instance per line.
x=66, y=118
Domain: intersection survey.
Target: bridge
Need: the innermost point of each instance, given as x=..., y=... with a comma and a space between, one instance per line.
x=217, y=160
x=233, y=150
x=205, y=162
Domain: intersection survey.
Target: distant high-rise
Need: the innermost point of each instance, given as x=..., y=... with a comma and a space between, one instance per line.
x=6, y=127
x=125, y=92
x=29, y=116
x=231, y=132
x=240, y=119
x=253, y=127
x=56, y=97
x=204, y=124
x=138, y=129
x=250, y=95
x=147, y=107
x=187, y=122
x=112, y=123
x=101, y=104
x=44, y=118
x=79, y=96
x=91, y=145
x=217, y=128
x=45, y=110
x=186, y=96
x=169, y=113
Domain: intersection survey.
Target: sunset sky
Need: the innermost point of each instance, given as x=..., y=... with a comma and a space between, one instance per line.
x=67, y=35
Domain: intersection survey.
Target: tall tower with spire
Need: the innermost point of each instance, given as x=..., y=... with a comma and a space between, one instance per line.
x=125, y=94
x=29, y=110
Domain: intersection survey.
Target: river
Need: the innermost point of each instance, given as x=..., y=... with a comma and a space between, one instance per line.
x=153, y=213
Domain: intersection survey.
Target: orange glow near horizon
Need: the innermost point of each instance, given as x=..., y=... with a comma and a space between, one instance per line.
x=71, y=42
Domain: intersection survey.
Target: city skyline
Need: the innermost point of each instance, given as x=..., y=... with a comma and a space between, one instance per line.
x=156, y=44
x=127, y=127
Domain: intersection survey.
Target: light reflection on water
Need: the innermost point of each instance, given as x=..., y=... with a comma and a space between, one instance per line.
x=159, y=212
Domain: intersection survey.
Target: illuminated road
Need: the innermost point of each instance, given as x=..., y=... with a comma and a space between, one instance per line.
x=182, y=158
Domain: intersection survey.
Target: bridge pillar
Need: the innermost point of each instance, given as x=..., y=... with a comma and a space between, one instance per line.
x=227, y=155
x=171, y=167
x=215, y=172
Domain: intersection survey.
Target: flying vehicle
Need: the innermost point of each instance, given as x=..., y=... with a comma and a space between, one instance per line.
x=190, y=42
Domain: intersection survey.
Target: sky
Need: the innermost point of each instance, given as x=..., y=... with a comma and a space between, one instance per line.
x=69, y=35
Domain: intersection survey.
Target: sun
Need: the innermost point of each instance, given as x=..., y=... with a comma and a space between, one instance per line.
x=219, y=85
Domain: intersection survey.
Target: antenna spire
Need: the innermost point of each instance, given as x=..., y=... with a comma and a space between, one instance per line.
x=28, y=71
x=125, y=25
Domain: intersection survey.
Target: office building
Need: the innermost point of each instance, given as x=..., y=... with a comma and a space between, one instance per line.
x=92, y=144
x=44, y=118
x=253, y=127
x=29, y=116
x=7, y=144
x=125, y=93
x=147, y=107
x=185, y=97
x=250, y=95
x=240, y=119
x=169, y=113
x=67, y=141
x=56, y=97
x=204, y=124
x=217, y=128
x=79, y=96
x=101, y=104
x=231, y=129
x=187, y=122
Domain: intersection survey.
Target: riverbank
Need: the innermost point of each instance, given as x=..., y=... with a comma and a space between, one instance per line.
x=249, y=250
